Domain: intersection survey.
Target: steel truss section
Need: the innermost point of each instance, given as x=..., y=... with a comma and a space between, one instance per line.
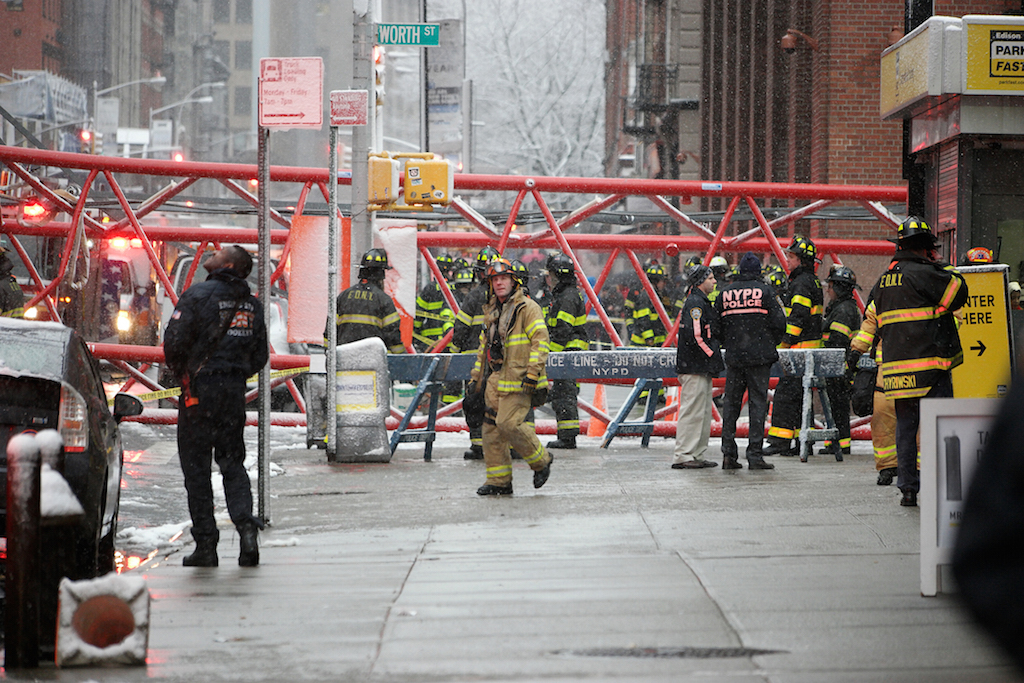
x=559, y=233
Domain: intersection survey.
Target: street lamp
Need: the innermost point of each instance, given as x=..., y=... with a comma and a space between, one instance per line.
x=96, y=92
x=206, y=99
x=193, y=91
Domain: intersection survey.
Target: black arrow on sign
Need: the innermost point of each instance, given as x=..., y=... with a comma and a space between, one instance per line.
x=980, y=348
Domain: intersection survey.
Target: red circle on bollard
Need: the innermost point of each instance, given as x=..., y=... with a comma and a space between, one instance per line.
x=672, y=249
x=103, y=621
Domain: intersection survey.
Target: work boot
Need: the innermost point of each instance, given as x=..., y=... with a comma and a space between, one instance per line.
x=909, y=499
x=778, y=446
x=474, y=453
x=688, y=465
x=758, y=463
x=248, y=542
x=731, y=464
x=886, y=476
x=540, y=477
x=562, y=443
x=493, y=490
x=205, y=555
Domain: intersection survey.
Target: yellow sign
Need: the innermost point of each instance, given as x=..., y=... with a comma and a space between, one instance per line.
x=994, y=56
x=984, y=335
x=904, y=74
x=357, y=390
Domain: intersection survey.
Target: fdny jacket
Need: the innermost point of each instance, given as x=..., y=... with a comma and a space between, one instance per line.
x=566, y=318
x=195, y=342
x=515, y=343
x=647, y=329
x=364, y=311
x=470, y=320
x=914, y=301
x=842, y=321
x=752, y=323
x=699, y=352
x=433, y=317
x=803, y=324
x=12, y=299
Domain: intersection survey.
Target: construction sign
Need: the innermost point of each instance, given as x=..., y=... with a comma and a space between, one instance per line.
x=985, y=334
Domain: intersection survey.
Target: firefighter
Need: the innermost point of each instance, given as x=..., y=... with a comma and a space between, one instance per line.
x=463, y=284
x=510, y=364
x=648, y=329
x=364, y=310
x=566, y=318
x=883, y=410
x=722, y=272
x=12, y=299
x=433, y=315
x=842, y=320
x=466, y=337
x=915, y=300
x=803, y=331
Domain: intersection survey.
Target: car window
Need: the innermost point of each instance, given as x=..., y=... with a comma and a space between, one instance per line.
x=32, y=353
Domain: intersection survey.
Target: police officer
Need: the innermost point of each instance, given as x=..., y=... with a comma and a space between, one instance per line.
x=752, y=325
x=511, y=365
x=217, y=338
x=803, y=331
x=364, y=310
x=915, y=300
x=433, y=315
x=566, y=320
x=842, y=320
x=698, y=362
x=12, y=299
x=469, y=323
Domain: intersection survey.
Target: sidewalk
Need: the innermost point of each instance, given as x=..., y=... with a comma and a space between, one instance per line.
x=619, y=569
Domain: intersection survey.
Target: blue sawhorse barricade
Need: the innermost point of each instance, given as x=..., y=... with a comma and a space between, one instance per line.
x=647, y=367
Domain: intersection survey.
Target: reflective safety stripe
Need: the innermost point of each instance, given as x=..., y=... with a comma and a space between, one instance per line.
x=499, y=471
x=793, y=330
x=577, y=344
x=568, y=424
x=397, y=348
x=885, y=452
x=476, y=441
x=909, y=315
x=845, y=442
x=536, y=456
x=841, y=328
x=392, y=319
x=808, y=344
x=534, y=326
x=799, y=300
x=916, y=365
x=782, y=433
x=864, y=338
x=355, y=318
x=18, y=312
x=464, y=317
x=952, y=288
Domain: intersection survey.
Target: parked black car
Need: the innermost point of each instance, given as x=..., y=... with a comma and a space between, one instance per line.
x=49, y=380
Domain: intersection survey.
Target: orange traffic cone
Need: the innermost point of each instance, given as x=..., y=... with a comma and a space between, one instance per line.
x=597, y=426
x=671, y=398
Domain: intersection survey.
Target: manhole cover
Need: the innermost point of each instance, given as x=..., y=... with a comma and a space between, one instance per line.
x=670, y=652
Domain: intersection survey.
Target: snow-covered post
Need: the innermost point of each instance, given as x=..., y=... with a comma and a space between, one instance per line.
x=21, y=620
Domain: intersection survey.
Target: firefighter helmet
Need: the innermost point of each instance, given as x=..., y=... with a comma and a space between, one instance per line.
x=375, y=258
x=841, y=275
x=464, y=276
x=803, y=247
x=445, y=262
x=914, y=230
x=500, y=266
x=561, y=266
x=485, y=256
x=655, y=272
x=520, y=271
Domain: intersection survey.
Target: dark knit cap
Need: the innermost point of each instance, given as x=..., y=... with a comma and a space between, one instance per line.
x=698, y=274
x=750, y=264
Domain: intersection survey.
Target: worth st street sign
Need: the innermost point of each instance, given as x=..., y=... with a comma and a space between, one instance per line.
x=423, y=35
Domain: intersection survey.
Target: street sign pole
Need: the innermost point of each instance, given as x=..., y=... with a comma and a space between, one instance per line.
x=362, y=136
x=263, y=236
x=331, y=356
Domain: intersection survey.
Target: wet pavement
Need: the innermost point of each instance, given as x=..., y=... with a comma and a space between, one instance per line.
x=619, y=569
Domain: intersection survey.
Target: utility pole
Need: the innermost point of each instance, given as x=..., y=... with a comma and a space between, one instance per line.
x=363, y=137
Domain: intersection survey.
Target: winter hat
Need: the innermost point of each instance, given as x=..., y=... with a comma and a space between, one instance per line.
x=750, y=265
x=698, y=274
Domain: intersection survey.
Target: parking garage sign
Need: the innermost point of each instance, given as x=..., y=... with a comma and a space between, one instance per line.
x=291, y=93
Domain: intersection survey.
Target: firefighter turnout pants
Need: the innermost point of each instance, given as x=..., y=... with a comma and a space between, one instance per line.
x=505, y=427
x=563, y=402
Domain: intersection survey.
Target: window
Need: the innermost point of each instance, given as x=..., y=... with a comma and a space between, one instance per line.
x=221, y=50
x=243, y=11
x=243, y=101
x=221, y=11
x=243, y=55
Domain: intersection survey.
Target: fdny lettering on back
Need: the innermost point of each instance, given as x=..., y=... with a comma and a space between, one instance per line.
x=745, y=300
x=362, y=294
x=891, y=280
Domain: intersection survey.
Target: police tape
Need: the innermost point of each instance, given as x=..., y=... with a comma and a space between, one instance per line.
x=168, y=393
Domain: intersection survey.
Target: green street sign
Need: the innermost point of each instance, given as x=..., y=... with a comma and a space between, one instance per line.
x=423, y=35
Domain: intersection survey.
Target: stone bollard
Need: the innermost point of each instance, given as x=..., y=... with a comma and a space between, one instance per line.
x=22, y=587
x=363, y=402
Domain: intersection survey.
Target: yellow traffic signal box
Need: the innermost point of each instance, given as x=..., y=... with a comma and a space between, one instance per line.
x=429, y=181
x=383, y=181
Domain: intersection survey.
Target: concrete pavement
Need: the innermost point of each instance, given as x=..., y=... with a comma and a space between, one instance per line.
x=619, y=569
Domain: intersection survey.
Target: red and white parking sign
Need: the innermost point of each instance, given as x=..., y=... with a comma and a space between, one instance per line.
x=291, y=92
x=349, y=107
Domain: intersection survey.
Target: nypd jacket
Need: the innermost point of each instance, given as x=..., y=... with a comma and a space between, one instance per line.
x=842, y=321
x=752, y=323
x=196, y=342
x=566, y=318
x=914, y=301
x=699, y=352
x=515, y=343
x=806, y=302
x=364, y=311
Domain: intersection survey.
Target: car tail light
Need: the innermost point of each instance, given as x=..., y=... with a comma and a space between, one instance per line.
x=124, y=321
x=74, y=425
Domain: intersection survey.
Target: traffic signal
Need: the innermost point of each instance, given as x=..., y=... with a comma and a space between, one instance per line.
x=85, y=141
x=378, y=74
x=383, y=185
x=34, y=211
x=97, y=142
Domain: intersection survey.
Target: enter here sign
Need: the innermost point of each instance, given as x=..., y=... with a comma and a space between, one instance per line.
x=985, y=334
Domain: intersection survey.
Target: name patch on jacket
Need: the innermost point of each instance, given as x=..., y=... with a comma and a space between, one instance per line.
x=745, y=300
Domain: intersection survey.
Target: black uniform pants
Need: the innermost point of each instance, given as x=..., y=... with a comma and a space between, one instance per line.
x=786, y=407
x=908, y=422
x=838, y=390
x=563, y=401
x=213, y=429
x=752, y=379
